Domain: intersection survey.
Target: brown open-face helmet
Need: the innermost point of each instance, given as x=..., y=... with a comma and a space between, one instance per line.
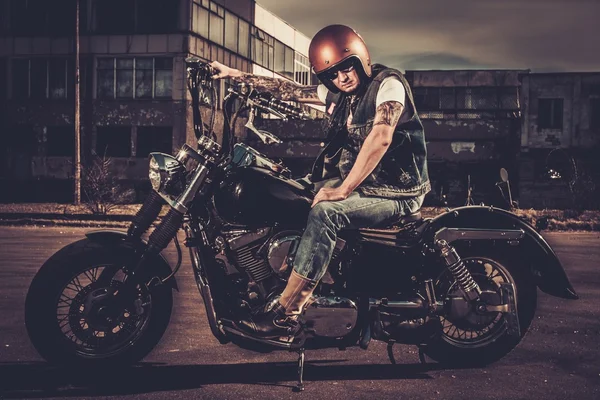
x=335, y=45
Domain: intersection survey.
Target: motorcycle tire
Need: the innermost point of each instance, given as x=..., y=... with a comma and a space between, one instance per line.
x=46, y=300
x=454, y=353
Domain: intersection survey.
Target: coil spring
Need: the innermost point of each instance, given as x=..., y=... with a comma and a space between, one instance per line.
x=463, y=276
x=146, y=215
x=458, y=269
x=164, y=233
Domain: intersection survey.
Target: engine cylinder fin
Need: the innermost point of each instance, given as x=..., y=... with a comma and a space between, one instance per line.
x=254, y=265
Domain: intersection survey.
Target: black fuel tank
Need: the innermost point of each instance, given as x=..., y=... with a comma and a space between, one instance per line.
x=258, y=197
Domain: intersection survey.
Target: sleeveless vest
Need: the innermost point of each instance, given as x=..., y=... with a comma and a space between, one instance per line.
x=402, y=172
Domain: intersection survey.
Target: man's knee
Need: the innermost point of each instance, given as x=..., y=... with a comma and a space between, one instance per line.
x=323, y=213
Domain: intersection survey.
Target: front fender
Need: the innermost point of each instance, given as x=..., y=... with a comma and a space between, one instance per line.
x=111, y=237
x=548, y=271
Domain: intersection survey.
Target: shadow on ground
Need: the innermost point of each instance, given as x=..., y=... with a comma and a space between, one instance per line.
x=40, y=380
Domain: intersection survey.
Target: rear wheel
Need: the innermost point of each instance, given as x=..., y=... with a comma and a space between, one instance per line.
x=72, y=316
x=478, y=337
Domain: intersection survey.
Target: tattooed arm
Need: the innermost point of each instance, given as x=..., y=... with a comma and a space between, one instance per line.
x=371, y=152
x=281, y=88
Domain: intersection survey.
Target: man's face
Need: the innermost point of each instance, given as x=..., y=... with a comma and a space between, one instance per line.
x=344, y=76
x=347, y=81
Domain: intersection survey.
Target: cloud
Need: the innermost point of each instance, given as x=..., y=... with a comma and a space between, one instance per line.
x=520, y=34
x=431, y=61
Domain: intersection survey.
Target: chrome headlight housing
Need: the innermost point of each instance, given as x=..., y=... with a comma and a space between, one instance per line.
x=167, y=175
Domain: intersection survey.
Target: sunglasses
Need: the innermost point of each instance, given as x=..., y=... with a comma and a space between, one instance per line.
x=345, y=67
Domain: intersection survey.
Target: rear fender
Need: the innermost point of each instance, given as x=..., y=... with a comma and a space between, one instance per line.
x=114, y=238
x=547, y=270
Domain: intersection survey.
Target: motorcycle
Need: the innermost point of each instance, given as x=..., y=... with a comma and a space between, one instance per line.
x=461, y=286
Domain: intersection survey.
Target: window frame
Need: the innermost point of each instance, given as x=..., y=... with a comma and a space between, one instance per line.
x=134, y=70
x=549, y=122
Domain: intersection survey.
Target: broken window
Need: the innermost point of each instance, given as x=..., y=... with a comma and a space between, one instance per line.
x=163, y=77
x=57, y=78
x=595, y=113
x=124, y=78
x=152, y=77
x=550, y=113
x=509, y=98
x=476, y=98
x=143, y=78
x=60, y=141
x=427, y=99
x=113, y=141
x=41, y=78
x=106, y=78
x=154, y=139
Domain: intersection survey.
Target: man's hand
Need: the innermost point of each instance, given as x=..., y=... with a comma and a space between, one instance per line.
x=224, y=71
x=330, y=194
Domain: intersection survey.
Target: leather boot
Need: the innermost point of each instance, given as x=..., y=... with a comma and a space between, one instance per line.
x=282, y=320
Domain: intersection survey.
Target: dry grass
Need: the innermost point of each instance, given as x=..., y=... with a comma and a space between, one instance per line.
x=58, y=208
x=551, y=220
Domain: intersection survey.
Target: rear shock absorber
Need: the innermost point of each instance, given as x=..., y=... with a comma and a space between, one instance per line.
x=458, y=269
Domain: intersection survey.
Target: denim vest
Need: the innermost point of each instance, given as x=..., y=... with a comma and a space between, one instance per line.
x=402, y=172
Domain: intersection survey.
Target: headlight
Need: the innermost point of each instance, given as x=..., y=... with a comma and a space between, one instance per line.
x=154, y=174
x=166, y=173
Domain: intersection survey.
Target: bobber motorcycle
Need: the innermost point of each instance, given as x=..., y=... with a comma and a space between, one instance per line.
x=462, y=286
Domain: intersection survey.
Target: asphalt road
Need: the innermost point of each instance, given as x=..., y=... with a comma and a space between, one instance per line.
x=558, y=359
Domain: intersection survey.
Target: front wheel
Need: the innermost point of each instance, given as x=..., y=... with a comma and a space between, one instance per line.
x=478, y=339
x=72, y=317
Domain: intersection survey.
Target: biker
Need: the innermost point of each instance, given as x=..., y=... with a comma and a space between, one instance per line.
x=373, y=167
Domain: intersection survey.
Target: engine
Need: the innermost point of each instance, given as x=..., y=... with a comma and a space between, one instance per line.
x=267, y=258
x=263, y=256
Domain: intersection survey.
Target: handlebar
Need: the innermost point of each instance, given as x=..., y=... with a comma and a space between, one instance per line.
x=268, y=101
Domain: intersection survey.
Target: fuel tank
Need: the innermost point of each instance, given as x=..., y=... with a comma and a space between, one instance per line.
x=257, y=196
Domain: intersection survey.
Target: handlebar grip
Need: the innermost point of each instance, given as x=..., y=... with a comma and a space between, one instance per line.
x=283, y=107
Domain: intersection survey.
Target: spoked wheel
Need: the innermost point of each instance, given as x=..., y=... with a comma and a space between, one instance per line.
x=479, y=336
x=73, y=316
x=90, y=318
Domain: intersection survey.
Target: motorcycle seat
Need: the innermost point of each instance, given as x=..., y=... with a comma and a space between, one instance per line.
x=401, y=230
x=398, y=221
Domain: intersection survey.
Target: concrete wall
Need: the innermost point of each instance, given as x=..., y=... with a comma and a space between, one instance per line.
x=576, y=90
x=576, y=139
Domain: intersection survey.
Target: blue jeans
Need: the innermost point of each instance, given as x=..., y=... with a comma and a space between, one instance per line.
x=327, y=218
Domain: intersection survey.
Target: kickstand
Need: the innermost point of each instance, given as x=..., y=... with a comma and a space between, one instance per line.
x=422, y=356
x=300, y=386
x=390, y=351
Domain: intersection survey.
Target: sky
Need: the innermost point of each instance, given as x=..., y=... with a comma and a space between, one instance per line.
x=539, y=35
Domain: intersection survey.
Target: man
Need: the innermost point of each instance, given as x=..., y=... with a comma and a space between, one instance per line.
x=373, y=168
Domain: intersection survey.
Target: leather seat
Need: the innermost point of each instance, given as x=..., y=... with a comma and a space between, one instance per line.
x=398, y=221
